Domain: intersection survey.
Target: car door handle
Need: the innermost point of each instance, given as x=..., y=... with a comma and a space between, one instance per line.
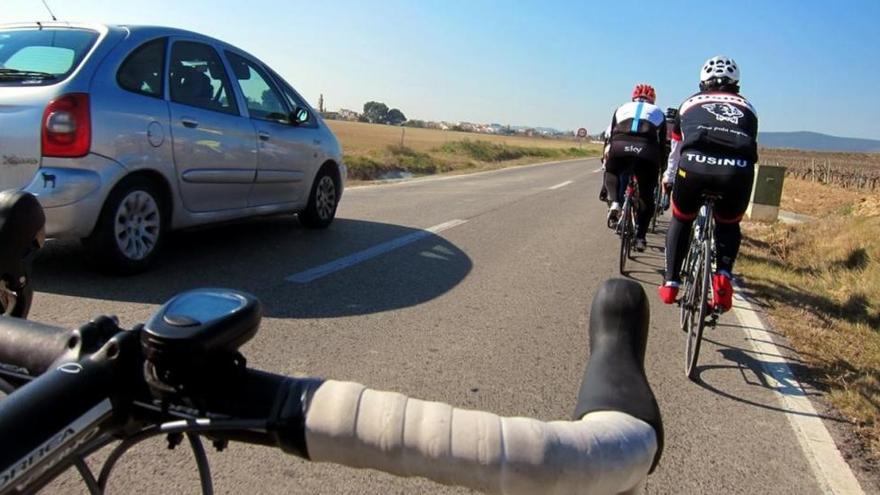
x=188, y=122
x=264, y=135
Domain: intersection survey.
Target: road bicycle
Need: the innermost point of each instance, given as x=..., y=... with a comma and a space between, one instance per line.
x=181, y=374
x=696, y=310
x=626, y=223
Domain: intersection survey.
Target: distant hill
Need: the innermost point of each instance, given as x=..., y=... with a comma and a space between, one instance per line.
x=815, y=141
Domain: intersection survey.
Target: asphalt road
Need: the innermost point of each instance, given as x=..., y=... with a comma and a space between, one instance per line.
x=490, y=313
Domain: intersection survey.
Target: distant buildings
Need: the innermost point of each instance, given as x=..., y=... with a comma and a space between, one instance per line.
x=461, y=126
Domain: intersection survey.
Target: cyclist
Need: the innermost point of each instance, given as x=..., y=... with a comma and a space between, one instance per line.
x=714, y=149
x=636, y=145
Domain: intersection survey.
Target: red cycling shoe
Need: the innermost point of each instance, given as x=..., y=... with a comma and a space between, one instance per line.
x=723, y=292
x=668, y=292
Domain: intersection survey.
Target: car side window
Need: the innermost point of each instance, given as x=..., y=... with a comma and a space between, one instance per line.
x=294, y=100
x=263, y=99
x=141, y=72
x=197, y=78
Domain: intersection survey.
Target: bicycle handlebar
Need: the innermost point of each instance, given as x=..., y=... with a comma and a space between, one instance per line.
x=614, y=441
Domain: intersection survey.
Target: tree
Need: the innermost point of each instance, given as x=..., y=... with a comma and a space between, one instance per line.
x=375, y=112
x=395, y=117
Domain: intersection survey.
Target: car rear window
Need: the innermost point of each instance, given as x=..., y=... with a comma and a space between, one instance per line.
x=42, y=56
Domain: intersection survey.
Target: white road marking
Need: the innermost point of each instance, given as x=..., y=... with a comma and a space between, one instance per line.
x=597, y=170
x=319, y=271
x=831, y=471
x=558, y=186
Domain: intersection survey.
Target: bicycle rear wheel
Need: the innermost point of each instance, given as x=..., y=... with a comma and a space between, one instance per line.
x=686, y=297
x=699, y=310
x=626, y=235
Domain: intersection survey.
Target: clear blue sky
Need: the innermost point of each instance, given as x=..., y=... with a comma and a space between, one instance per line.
x=806, y=64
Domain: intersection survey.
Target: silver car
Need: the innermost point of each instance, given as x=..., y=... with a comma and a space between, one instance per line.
x=126, y=132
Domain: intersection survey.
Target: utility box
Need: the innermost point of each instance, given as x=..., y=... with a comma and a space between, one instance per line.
x=766, y=193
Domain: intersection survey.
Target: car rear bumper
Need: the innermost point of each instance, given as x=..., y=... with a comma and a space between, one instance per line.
x=72, y=198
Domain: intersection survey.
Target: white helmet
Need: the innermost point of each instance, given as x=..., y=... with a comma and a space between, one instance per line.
x=720, y=66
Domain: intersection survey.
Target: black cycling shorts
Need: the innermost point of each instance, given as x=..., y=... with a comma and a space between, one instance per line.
x=735, y=189
x=623, y=164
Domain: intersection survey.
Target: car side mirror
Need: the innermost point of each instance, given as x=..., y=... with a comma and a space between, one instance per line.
x=299, y=116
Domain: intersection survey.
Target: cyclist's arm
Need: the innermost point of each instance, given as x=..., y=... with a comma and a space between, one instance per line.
x=608, y=132
x=661, y=141
x=674, y=153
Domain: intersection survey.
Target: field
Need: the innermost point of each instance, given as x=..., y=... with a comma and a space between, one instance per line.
x=374, y=151
x=846, y=170
x=358, y=137
x=820, y=282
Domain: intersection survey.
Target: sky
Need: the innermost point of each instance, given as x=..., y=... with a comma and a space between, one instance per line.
x=806, y=64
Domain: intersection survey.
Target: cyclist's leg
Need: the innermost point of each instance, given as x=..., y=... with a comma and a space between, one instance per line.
x=685, y=206
x=646, y=173
x=613, y=169
x=614, y=177
x=729, y=210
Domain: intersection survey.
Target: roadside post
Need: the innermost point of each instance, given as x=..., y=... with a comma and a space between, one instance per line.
x=766, y=193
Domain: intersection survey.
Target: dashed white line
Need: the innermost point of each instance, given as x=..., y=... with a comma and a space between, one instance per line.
x=558, y=186
x=828, y=466
x=319, y=271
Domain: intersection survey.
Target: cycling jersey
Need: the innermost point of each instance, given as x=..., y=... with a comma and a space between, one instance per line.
x=638, y=130
x=715, y=133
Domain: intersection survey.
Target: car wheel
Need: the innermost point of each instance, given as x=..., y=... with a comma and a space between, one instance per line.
x=131, y=228
x=321, y=209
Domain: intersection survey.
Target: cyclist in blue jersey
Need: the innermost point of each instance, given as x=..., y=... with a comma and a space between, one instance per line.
x=636, y=145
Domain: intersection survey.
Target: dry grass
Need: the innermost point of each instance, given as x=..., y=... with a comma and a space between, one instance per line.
x=821, y=281
x=374, y=151
x=815, y=199
x=359, y=138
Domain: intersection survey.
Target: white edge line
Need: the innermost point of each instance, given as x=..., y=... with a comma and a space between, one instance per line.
x=559, y=186
x=828, y=465
x=400, y=182
x=597, y=170
x=336, y=265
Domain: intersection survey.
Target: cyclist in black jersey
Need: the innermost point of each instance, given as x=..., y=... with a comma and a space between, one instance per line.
x=714, y=150
x=635, y=145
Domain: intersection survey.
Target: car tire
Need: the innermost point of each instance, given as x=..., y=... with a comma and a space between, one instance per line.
x=130, y=229
x=323, y=200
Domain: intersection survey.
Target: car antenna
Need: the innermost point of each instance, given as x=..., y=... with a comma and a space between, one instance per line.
x=50, y=10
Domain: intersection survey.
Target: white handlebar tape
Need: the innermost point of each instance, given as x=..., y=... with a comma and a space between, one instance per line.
x=605, y=452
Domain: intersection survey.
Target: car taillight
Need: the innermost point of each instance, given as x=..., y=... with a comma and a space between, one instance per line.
x=67, y=126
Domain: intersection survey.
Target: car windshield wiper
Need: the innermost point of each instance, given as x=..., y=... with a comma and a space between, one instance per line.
x=25, y=74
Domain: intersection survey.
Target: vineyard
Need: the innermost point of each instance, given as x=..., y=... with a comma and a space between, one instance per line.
x=847, y=170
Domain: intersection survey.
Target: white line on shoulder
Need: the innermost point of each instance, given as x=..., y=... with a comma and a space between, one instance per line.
x=561, y=185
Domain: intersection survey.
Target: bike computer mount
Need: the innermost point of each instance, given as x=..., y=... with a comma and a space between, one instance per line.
x=197, y=333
